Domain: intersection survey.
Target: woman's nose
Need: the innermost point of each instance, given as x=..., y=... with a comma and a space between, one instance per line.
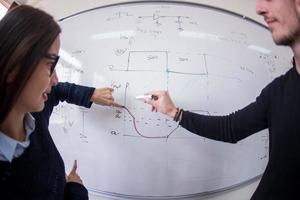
x=54, y=79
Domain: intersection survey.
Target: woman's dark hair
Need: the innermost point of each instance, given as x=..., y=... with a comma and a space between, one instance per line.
x=26, y=34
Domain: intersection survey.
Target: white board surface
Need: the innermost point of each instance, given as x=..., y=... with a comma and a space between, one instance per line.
x=211, y=61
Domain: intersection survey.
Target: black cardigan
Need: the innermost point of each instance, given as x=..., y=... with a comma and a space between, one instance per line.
x=39, y=173
x=276, y=108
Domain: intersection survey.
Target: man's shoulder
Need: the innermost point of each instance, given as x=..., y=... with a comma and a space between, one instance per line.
x=282, y=79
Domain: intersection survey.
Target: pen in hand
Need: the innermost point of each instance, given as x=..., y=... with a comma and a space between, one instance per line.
x=150, y=96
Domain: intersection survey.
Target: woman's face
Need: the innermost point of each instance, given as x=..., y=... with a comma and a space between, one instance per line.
x=35, y=93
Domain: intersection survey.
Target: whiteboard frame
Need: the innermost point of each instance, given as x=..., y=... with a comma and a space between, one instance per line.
x=185, y=197
x=170, y=2
x=189, y=196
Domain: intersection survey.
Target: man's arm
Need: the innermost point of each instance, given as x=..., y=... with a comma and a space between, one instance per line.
x=230, y=128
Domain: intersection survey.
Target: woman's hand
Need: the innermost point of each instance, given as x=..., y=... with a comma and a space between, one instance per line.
x=73, y=176
x=103, y=96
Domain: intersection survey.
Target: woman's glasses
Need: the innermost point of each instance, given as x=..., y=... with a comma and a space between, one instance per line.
x=55, y=59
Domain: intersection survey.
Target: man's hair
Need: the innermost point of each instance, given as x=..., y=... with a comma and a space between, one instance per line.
x=26, y=34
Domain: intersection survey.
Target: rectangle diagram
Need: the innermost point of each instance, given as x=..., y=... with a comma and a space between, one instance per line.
x=187, y=63
x=152, y=61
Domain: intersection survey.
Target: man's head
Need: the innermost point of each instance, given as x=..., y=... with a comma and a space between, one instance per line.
x=282, y=18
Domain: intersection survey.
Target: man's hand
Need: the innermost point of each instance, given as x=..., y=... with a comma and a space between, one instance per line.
x=163, y=103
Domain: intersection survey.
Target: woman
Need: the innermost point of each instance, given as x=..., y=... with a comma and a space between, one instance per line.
x=30, y=165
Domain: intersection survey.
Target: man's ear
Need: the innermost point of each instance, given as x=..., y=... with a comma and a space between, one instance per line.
x=12, y=76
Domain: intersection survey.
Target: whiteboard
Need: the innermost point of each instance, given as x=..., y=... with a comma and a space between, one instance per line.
x=211, y=61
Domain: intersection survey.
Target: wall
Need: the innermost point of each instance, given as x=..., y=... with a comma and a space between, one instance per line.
x=3, y=10
x=63, y=8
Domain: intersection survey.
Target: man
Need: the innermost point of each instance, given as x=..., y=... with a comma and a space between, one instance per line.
x=276, y=108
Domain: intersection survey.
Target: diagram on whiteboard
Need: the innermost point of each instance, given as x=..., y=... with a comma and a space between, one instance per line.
x=210, y=61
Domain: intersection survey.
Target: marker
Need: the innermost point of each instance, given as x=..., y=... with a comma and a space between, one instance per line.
x=152, y=97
